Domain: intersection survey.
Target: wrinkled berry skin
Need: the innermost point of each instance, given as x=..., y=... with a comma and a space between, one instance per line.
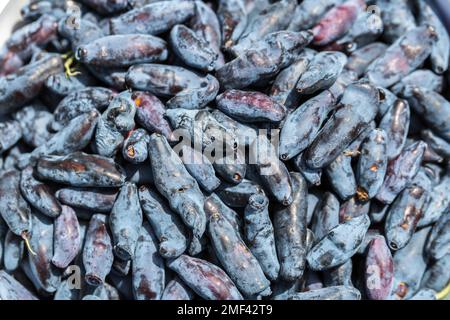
x=191, y=49
x=339, y=245
x=39, y=194
x=93, y=199
x=154, y=18
x=13, y=207
x=206, y=25
x=59, y=85
x=207, y=280
x=244, y=133
x=372, y=163
x=135, y=147
x=274, y=18
x=283, y=88
x=297, y=134
x=122, y=51
x=322, y=72
x=233, y=19
x=291, y=231
x=359, y=107
x=259, y=235
x=250, y=106
x=400, y=171
x=148, y=267
x=161, y=80
x=379, y=269
x=235, y=257
x=79, y=102
x=166, y=225
x=263, y=62
x=175, y=183
x=402, y=57
x=114, y=124
x=125, y=220
x=187, y=89
x=67, y=243
x=88, y=31
x=81, y=170
x=23, y=86
x=98, y=251
x=215, y=135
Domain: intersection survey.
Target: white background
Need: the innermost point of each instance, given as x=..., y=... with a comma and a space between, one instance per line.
x=3, y=4
x=9, y=15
